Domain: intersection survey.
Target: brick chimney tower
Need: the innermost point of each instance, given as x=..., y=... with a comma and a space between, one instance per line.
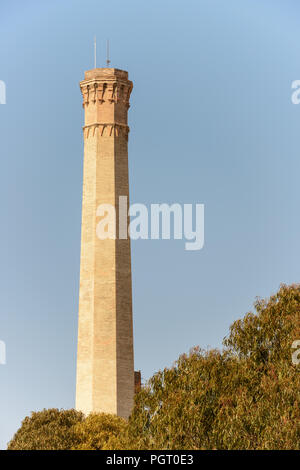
x=105, y=369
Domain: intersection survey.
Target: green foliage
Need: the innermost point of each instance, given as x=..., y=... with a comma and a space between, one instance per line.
x=97, y=431
x=266, y=337
x=51, y=429
x=244, y=397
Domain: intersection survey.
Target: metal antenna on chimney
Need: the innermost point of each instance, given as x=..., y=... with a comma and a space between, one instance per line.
x=95, y=52
x=107, y=53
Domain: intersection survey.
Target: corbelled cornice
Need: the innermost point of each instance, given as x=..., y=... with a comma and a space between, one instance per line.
x=106, y=85
x=106, y=129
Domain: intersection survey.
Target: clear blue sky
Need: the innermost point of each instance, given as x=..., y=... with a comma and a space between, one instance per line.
x=211, y=122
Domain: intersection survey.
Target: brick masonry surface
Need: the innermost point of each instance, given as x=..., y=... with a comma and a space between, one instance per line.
x=105, y=368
